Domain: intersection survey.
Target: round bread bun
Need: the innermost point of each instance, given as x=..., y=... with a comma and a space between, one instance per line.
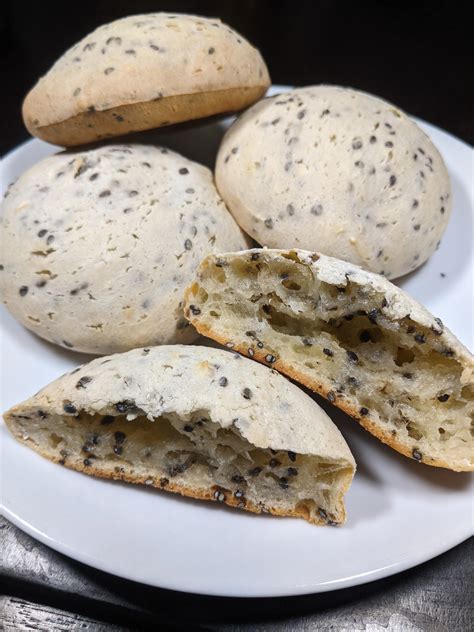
x=143, y=72
x=99, y=245
x=336, y=171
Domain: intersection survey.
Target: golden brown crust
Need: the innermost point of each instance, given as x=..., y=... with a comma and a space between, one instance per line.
x=118, y=473
x=323, y=389
x=94, y=125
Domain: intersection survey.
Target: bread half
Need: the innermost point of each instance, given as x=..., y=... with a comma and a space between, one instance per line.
x=201, y=422
x=349, y=335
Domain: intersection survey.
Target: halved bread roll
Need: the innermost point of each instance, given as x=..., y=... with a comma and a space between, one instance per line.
x=197, y=421
x=349, y=335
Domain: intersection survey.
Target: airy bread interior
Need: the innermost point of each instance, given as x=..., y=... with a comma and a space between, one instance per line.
x=193, y=456
x=390, y=374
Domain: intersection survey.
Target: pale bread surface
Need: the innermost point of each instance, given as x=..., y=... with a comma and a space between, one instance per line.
x=336, y=171
x=98, y=245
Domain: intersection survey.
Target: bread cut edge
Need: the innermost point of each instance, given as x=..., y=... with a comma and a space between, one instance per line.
x=109, y=472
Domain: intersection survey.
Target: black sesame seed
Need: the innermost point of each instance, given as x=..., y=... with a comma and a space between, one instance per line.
x=195, y=311
x=407, y=375
x=87, y=462
x=223, y=381
x=364, y=336
x=389, y=143
x=219, y=495
x=417, y=454
x=443, y=398
x=266, y=309
x=283, y=482
x=42, y=414
x=183, y=171
x=307, y=342
x=292, y=471
x=373, y=314
x=118, y=449
x=328, y=352
x=251, y=352
x=353, y=357
x=416, y=227
x=188, y=244
x=23, y=291
x=322, y=513
x=268, y=222
x=270, y=358
x=421, y=338
x=188, y=428
x=211, y=50
x=255, y=471
x=119, y=436
x=415, y=204
x=124, y=407
x=255, y=256
x=301, y=114
x=69, y=408
x=108, y=419
x=247, y=393
x=291, y=455
x=237, y=478
x=356, y=143
x=392, y=180
x=331, y=396
x=442, y=210
x=373, y=139
x=164, y=482
x=105, y=193
x=83, y=381
x=363, y=411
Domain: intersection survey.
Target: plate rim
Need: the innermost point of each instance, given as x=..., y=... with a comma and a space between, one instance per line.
x=303, y=589
x=205, y=588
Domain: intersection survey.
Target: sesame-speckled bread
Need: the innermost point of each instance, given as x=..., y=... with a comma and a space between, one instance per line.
x=336, y=171
x=143, y=72
x=198, y=421
x=98, y=245
x=349, y=335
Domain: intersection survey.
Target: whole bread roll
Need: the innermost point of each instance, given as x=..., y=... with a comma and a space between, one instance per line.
x=336, y=171
x=98, y=245
x=143, y=72
x=351, y=336
x=201, y=422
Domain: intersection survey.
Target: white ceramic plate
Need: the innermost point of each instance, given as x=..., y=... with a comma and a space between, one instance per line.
x=400, y=512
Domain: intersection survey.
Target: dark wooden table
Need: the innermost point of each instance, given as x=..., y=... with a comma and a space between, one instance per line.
x=44, y=590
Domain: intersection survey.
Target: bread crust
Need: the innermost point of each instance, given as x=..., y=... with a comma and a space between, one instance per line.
x=94, y=125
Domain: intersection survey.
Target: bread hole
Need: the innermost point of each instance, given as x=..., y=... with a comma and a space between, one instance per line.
x=243, y=269
x=306, y=507
x=291, y=285
x=219, y=274
x=467, y=392
x=214, y=314
x=310, y=365
x=54, y=440
x=404, y=356
x=414, y=431
x=225, y=453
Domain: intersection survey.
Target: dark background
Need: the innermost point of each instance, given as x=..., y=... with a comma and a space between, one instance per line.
x=417, y=55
